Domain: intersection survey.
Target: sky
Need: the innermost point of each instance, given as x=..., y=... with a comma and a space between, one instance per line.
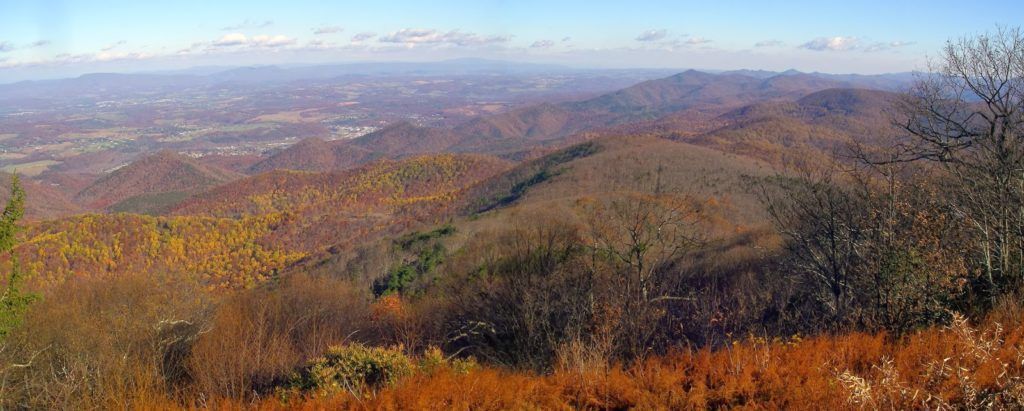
x=50, y=39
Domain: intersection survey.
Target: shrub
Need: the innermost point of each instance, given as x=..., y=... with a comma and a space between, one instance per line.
x=354, y=368
x=256, y=339
x=518, y=308
x=101, y=347
x=434, y=360
x=421, y=253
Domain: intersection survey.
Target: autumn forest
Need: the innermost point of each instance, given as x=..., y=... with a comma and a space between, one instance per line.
x=689, y=240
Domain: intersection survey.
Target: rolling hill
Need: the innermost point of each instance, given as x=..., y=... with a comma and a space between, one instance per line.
x=242, y=233
x=817, y=125
x=42, y=200
x=546, y=124
x=319, y=210
x=690, y=103
x=560, y=184
x=314, y=154
x=319, y=202
x=404, y=139
x=151, y=183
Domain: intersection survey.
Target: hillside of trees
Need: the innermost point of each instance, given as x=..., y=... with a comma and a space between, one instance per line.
x=788, y=243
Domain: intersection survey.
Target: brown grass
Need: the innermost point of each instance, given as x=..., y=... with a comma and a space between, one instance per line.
x=116, y=357
x=953, y=366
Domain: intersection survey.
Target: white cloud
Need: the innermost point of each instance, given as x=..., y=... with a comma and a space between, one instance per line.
x=837, y=43
x=233, y=39
x=113, y=45
x=881, y=46
x=239, y=39
x=412, y=37
x=249, y=24
x=652, y=35
x=769, y=43
x=542, y=44
x=112, y=56
x=696, y=41
x=271, y=41
x=99, y=57
x=7, y=46
x=840, y=43
x=328, y=30
x=320, y=44
x=366, y=35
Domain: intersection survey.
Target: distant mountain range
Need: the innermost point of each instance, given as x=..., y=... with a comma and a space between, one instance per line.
x=772, y=117
x=698, y=94
x=123, y=83
x=332, y=206
x=150, y=82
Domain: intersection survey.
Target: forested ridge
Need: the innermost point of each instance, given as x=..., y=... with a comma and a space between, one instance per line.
x=701, y=241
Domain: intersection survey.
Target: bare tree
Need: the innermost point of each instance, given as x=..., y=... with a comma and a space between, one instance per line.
x=966, y=114
x=823, y=227
x=639, y=235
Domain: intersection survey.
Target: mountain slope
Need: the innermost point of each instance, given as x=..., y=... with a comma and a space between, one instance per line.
x=515, y=128
x=683, y=90
x=809, y=129
x=404, y=139
x=318, y=210
x=313, y=154
x=560, y=186
x=605, y=166
x=691, y=94
x=688, y=103
x=42, y=200
x=161, y=173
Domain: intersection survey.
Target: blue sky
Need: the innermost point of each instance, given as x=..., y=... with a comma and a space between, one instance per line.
x=40, y=39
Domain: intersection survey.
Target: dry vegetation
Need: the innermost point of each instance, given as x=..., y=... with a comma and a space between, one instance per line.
x=953, y=366
x=271, y=349
x=627, y=272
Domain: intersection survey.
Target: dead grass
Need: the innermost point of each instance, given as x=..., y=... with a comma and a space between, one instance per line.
x=956, y=366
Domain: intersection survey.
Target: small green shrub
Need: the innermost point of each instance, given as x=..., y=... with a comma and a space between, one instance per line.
x=407, y=241
x=423, y=252
x=434, y=360
x=354, y=368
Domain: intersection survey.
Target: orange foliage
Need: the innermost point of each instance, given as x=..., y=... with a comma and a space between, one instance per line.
x=317, y=210
x=243, y=233
x=956, y=365
x=217, y=252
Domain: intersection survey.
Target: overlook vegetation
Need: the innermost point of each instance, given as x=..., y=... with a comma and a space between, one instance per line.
x=700, y=241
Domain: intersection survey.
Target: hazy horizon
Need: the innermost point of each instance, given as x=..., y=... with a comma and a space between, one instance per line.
x=59, y=39
x=201, y=70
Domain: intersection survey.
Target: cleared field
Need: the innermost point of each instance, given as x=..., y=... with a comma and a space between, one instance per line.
x=30, y=169
x=294, y=116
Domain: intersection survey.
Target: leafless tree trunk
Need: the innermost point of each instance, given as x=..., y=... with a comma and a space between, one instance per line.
x=641, y=233
x=966, y=115
x=824, y=234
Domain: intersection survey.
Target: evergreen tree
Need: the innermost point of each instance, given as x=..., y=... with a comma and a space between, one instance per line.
x=13, y=302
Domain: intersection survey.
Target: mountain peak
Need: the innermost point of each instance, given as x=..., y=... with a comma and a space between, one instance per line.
x=165, y=171
x=314, y=154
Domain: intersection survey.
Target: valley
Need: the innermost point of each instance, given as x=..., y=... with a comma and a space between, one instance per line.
x=457, y=219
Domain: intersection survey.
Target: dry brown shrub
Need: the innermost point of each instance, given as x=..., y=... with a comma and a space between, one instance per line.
x=100, y=347
x=255, y=340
